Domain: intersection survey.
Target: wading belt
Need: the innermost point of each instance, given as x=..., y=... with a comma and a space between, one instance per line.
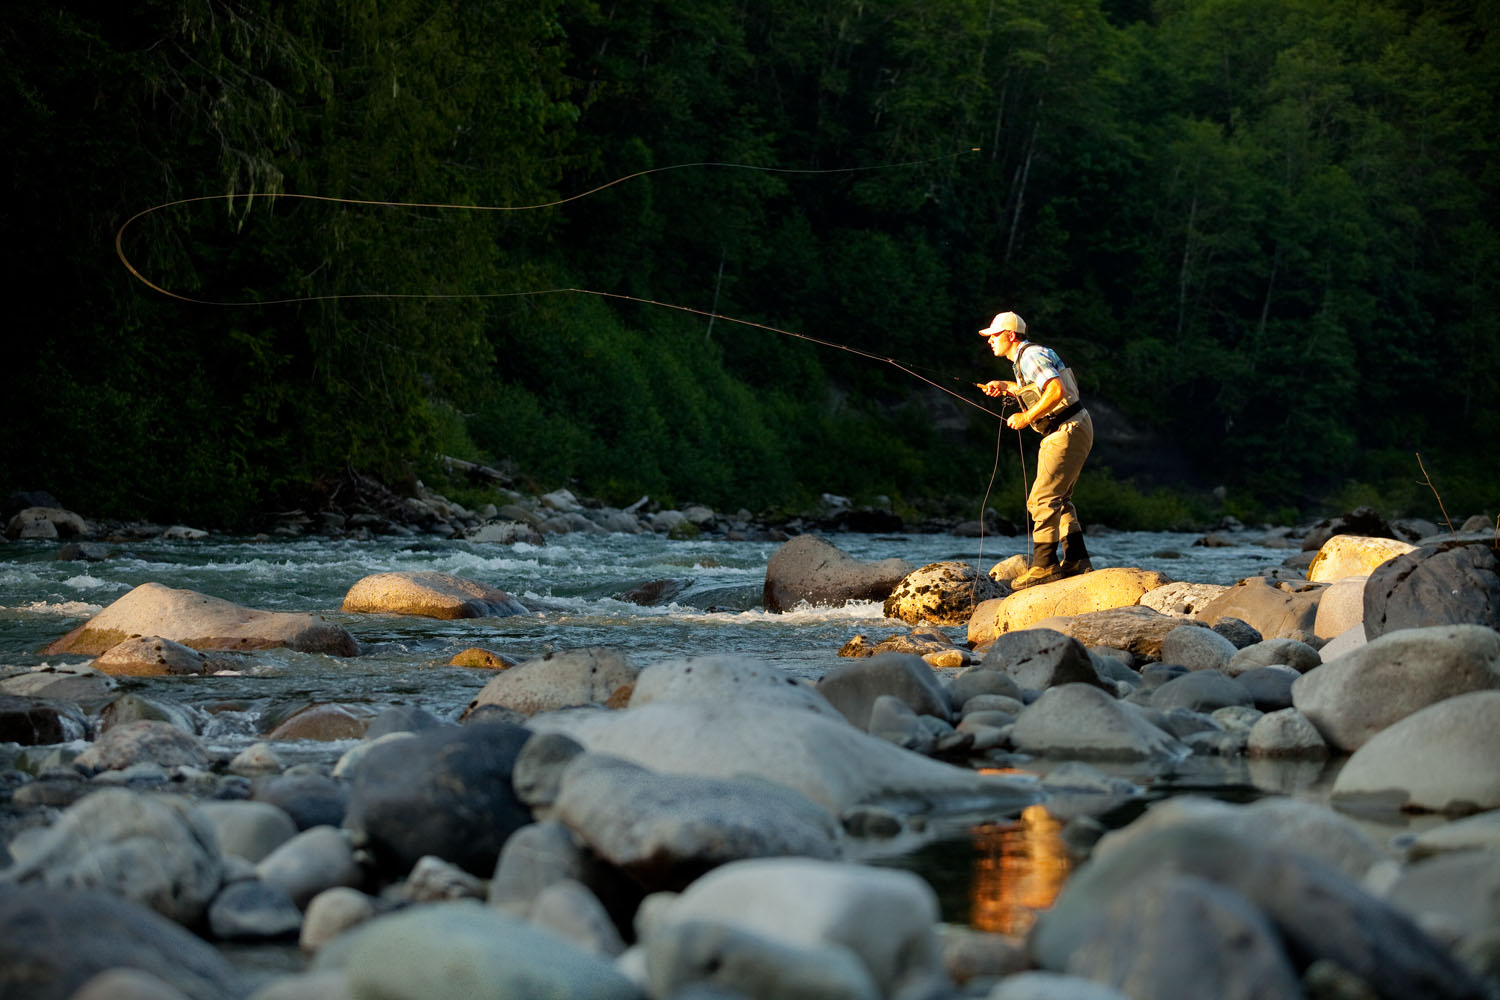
x=1062, y=416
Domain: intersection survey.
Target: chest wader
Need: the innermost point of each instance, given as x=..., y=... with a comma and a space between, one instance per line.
x=1067, y=438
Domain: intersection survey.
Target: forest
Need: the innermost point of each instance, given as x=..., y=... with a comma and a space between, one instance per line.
x=569, y=239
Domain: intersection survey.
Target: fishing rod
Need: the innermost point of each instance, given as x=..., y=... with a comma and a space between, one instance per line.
x=712, y=315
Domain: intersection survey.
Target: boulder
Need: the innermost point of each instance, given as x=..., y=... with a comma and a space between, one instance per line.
x=445, y=792
x=78, y=683
x=941, y=593
x=429, y=595
x=1285, y=733
x=46, y=523
x=1197, y=647
x=667, y=829
x=324, y=722
x=599, y=676
x=812, y=750
x=853, y=688
x=886, y=918
x=1136, y=630
x=1284, y=610
x=707, y=678
x=1081, y=721
x=40, y=721
x=1100, y=590
x=1341, y=607
x=1439, y=759
x=462, y=950
x=1356, y=696
x=153, y=656
x=809, y=570
x=1353, y=555
x=144, y=741
x=1181, y=599
x=1041, y=658
x=1454, y=583
x=703, y=958
x=201, y=622
x=1270, y=652
x=1184, y=936
x=53, y=941
x=1201, y=691
x=148, y=849
x=315, y=860
x=253, y=912
x=1456, y=897
x=244, y=829
x=1320, y=913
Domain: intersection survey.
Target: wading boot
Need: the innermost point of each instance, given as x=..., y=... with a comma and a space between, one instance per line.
x=1043, y=569
x=1075, y=555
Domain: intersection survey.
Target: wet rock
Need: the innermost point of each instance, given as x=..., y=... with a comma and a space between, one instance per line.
x=402, y=719
x=1200, y=691
x=147, y=849
x=481, y=659
x=310, y=799
x=255, y=761
x=324, y=723
x=59, y=939
x=78, y=683
x=1356, y=696
x=40, y=721
x=1270, y=687
x=809, y=570
x=598, y=676
x=202, y=622
x=134, y=707
x=144, y=741
x=1440, y=758
x=153, y=656
x=46, y=523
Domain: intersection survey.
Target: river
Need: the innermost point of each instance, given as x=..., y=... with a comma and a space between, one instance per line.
x=993, y=874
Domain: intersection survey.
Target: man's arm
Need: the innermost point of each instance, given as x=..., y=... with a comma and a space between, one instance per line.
x=1052, y=395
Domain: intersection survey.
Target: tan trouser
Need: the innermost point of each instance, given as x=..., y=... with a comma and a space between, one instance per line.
x=1059, y=461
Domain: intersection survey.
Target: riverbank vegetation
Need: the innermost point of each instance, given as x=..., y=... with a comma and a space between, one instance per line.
x=1262, y=230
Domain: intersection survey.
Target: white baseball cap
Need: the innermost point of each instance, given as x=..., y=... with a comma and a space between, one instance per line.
x=1003, y=322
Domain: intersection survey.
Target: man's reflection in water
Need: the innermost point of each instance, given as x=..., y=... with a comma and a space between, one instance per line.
x=1019, y=868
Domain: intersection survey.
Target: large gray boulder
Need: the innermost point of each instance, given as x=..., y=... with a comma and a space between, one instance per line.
x=1042, y=658
x=1453, y=583
x=853, y=688
x=1317, y=911
x=445, y=792
x=773, y=728
x=149, y=849
x=53, y=941
x=1357, y=695
x=885, y=917
x=809, y=570
x=667, y=829
x=1197, y=647
x=462, y=950
x=598, y=676
x=1079, y=720
x=1283, y=610
x=1441, y=758
x=202, y=622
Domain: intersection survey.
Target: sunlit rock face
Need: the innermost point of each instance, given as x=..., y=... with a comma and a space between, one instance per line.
x=1353, y=555
x=941, y=593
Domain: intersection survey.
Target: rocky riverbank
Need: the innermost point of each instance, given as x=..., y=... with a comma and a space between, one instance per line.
x=704, y=826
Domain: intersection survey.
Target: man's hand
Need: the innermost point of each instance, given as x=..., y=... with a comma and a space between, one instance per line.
x=997, y=387
x=1017, y=420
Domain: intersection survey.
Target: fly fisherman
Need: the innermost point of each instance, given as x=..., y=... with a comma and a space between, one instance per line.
x=1048, y=394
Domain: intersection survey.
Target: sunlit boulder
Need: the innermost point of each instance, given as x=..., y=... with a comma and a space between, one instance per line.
x=1353, y=555
x=202, y=622
x=1100, y=590
x=429, y=595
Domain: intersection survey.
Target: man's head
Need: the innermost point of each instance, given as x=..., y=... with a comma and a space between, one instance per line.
x=1004, y=330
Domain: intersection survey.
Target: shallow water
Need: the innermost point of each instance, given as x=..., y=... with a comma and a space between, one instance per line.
x=992, y=872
